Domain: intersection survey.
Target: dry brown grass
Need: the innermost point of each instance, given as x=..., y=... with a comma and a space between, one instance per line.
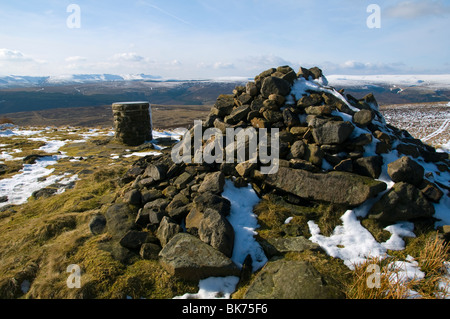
x=387, y=284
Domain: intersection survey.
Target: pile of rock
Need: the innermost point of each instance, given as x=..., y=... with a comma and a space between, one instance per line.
x=333, y=150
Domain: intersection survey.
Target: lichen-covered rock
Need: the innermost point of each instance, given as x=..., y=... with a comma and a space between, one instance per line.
x=189, y=258
x=283, y=279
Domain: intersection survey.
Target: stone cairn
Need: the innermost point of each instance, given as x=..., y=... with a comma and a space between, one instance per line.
x=335, y=150
x=132, y=122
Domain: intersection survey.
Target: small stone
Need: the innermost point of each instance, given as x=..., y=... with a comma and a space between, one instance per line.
x=97, y=224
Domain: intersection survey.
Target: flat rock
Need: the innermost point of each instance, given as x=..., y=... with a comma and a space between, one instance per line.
x=189, y=258
x=283, y=279
x=333, y=187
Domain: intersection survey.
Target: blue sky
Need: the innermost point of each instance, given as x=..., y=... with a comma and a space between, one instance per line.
x=212, y=38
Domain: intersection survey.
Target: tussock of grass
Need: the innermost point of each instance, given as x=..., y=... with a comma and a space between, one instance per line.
x=431, y=261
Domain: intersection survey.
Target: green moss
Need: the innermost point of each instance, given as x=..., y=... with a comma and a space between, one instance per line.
x=147, y=279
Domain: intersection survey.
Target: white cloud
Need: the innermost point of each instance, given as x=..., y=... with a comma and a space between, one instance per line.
x=129, y=57
x=416, y=9
x=74, y=59
x=13, y=56
x=223, y=65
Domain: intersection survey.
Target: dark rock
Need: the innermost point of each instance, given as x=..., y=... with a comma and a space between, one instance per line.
x=166, y=230
x=189, y=258
x=209, y=200
x=31, y=159
x=97, y=224
x=344, y=166
x=224, y=105
x=159, y=204
x=238, y=114
x=402, y=203
x=316, y=73
x=310, y=100
x=133, y=239
x=133, y=197
x=406, y=170
x=431, y=191
x=156, y=172
x=332, y=132
x=251, y=89
x=44, y=193
x=297, y=244
x=217, y=231
x=213, y=182
x=298, y=149
x=333, y=187
x=304, y=73
x=245, y=168
x=3, y=199
x=149, y=251
x=273, y=116
x=182, y=180
x=368, y=166
x=119, y=220
x=284, y=279
x=363, y=117
x=290, y=118
x=150, y=195
x=179, y=214
x=408, y=149
x=274, y=85
x=142, y=218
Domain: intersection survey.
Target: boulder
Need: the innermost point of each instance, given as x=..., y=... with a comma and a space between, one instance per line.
x=97, y=224
x=332, y=132
x=133, y=197
x=284, y=279
x=238, y=114
x=274, y=85
x=217, y=231
x=431, y=191
x=251, y=89
x=370, y=166
x=156, y=172
x=182, y=180
x=166, y=230
x=402, y=203
x=203, y=202
x=119, y=220
x=189, y=258
x=245, y=168
x=213, y=182
x=298, y=149
x=363, y=117
x=223, y=105
x=290, y=118
x=149, y=251
x=333, y=187
x=406, y=170
x=133, y=239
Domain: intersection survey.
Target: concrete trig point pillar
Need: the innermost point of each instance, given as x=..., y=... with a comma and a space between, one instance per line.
x=132, y=122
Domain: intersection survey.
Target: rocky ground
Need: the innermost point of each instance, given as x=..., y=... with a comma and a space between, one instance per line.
x=348, y=187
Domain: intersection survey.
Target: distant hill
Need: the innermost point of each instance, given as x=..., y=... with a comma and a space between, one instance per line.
x=25, y=93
